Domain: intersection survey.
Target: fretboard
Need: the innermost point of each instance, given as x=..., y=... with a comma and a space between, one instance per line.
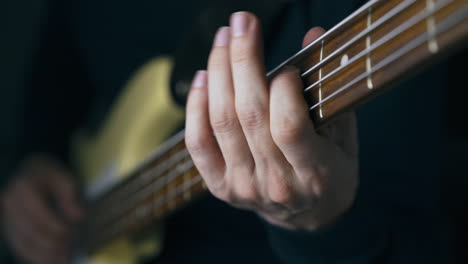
x=379, y=44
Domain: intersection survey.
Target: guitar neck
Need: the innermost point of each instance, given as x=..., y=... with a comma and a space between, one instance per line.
x=378, y=45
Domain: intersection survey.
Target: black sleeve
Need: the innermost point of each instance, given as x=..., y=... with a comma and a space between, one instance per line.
x=361, y=235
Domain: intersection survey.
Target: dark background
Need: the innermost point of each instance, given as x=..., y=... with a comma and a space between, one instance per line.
x=20, y=22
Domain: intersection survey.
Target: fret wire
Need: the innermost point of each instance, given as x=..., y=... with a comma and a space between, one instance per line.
x=177, y=192
x=159, y=170
x=338, y=26
x=186, y=179
x=320, y=77
x=123, y=223
x=154, y=189
x=392, y=13
x=160, y=152
x=167, y=191
x=431, y=28
x=147, y=191
x=390, y=36
x=370, y=85
x=145, y=177
x=161, y=201
x=421, y=39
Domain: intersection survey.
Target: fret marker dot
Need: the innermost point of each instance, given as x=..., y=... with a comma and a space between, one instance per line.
x=344, y=60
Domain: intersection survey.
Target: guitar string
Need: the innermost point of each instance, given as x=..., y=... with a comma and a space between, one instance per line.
x=334, y=29
x=388, y=16
x=441, y=27
x=160, y=181
x=146, y=210
x=148, y=176
x=395, y=33
x=381, y=65
x=339, y=26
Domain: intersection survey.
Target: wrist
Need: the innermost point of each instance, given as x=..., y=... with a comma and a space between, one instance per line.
x=320, y=216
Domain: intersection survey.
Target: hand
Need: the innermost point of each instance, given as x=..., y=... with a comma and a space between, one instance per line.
x=39, y=209
x=254, y=144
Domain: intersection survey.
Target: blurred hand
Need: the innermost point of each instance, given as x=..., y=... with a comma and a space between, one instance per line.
x=253, y=142
x=39, y=210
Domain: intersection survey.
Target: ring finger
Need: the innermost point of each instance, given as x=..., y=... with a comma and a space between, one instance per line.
x=228, y=131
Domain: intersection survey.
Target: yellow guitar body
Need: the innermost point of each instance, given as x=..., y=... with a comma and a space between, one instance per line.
x=142, y=118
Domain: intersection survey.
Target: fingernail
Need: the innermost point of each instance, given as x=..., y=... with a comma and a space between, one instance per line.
x=200, y=79
x=222, y=37
x=239, y=23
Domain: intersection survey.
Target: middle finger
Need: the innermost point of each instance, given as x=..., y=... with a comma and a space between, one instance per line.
x=251, y=90
x=221, y=104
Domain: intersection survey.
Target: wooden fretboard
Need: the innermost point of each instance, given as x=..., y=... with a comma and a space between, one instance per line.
x=379, y=44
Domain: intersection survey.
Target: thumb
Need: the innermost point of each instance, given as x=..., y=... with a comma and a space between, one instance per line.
x=312, y=35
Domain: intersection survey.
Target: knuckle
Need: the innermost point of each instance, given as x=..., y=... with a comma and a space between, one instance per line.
x=241, y=59
x=223, y=121
x=221, y=194
x=217, y=188
x=251, y=115
x=194, y=142
x=217, y=59
x=288, y=130
x=245, y=192
x=280, y=192
x=241, y=54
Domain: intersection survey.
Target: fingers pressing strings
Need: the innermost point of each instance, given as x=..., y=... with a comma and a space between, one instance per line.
x=225, y=122
x=199, y=140
x=251, y=95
